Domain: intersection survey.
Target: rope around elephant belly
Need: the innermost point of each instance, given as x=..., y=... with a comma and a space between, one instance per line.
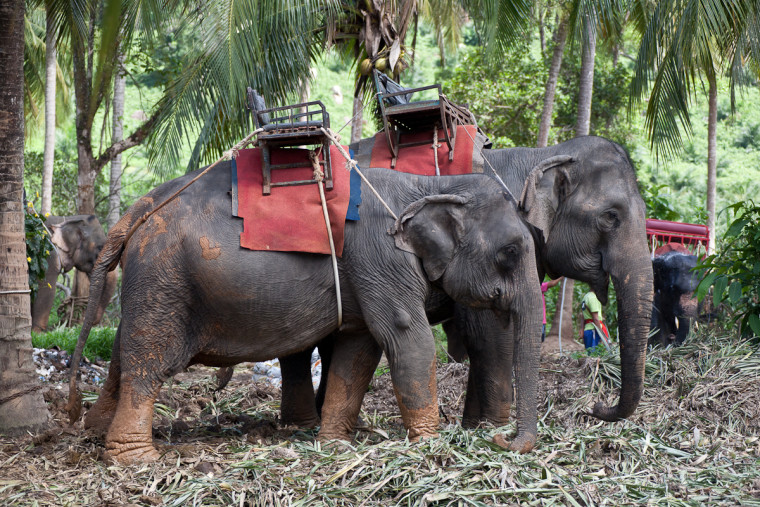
x=319, y=176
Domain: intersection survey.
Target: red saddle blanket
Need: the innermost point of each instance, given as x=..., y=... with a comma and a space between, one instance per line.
x=374, y=152
x=290, y=219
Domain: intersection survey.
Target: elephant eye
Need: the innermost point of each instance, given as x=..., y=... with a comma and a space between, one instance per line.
x=506, y=257
x=609, y=220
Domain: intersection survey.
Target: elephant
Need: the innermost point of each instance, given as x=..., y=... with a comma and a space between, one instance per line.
x=78, y=240
x=191, y=294
x=582, y=195
x=674, y=302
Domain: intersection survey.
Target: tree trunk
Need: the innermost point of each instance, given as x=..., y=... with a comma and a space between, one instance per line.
x=114, y=194
x=560, y=37
x=712, y=156
x=22, y=407
x=357, y=119
x=586, y=83
x=49, y=151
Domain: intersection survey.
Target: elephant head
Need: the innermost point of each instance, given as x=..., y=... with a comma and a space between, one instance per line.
x=454, y=236
x=586, y=201
x=79, y=239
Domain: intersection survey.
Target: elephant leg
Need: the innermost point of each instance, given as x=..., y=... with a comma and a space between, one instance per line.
x=99, y=417
x=298, y=407
x=43, y=301
x=455, y=341
x=354, y=360
x=489, y=383
x=129, y=438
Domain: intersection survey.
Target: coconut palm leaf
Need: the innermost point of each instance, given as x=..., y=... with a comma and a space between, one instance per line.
x=268, y=45
x=681, y=41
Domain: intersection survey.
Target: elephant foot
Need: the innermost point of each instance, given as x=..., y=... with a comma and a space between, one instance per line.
x=130, y=453
x=522, y=444
x=327, y=435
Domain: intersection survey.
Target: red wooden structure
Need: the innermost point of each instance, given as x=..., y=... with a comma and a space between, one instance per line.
x=692, y=236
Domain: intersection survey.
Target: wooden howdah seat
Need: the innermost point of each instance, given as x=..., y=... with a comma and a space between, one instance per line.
x=290, y=126
x=401, y=115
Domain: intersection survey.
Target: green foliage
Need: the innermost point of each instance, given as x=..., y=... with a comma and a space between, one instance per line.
x=507, y=100
x=657, y=199
x=99, y=344
x=609, y=99
x=734, y=271
x=38, y=248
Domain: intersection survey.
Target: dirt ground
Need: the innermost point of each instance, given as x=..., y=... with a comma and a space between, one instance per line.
x=211, y=441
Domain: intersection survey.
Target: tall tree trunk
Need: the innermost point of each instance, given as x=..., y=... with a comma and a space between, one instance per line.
x=21, y=405
x=712, y=156
x=560, y=37
x=586, y=83
x=48, y=156
x=585, y=91
x=357, y=118
x=114, y=195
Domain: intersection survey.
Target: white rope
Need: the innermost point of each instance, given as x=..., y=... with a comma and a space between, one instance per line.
x=319, y=177
x=435, y=149
x=352, y=163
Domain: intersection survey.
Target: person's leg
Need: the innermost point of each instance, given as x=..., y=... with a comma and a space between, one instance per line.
x=543, y=333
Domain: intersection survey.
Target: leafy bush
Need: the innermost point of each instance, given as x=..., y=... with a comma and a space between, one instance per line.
x=38, y=247
x=734, y=271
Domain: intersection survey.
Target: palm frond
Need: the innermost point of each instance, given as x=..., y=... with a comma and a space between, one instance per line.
x=501, y=23
x=267, y=45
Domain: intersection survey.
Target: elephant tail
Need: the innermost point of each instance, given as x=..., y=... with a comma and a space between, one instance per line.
x=107, y=261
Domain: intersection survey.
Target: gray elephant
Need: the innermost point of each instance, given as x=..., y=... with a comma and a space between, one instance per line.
x=78, y=240
x=675, y=305
x=583, y=195
x=191, y=294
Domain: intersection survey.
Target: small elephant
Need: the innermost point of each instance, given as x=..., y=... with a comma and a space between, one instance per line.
x=674, y=302
x=78, y=240
x=191, y=294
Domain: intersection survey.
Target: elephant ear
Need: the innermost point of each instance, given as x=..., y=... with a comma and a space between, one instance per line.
x=60, y=239
x=545, y=187
x=432, y=228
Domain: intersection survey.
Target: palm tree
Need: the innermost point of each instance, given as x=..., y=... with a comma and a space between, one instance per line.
x=559, y=39
x=21, y=405
x=682, y=41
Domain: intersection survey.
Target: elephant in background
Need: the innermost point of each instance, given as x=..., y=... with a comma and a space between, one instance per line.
x=675, y=305
x=191, y=294
x=78, y=240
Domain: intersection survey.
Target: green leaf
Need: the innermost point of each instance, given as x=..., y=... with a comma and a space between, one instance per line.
x=754, y=323
x=705, y=285
x=718, y=289
x=734, y=292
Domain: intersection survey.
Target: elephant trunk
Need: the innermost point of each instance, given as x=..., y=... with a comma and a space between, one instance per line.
x=634, y=296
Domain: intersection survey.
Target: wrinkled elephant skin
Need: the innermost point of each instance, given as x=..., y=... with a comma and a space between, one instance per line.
x=459, y=237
